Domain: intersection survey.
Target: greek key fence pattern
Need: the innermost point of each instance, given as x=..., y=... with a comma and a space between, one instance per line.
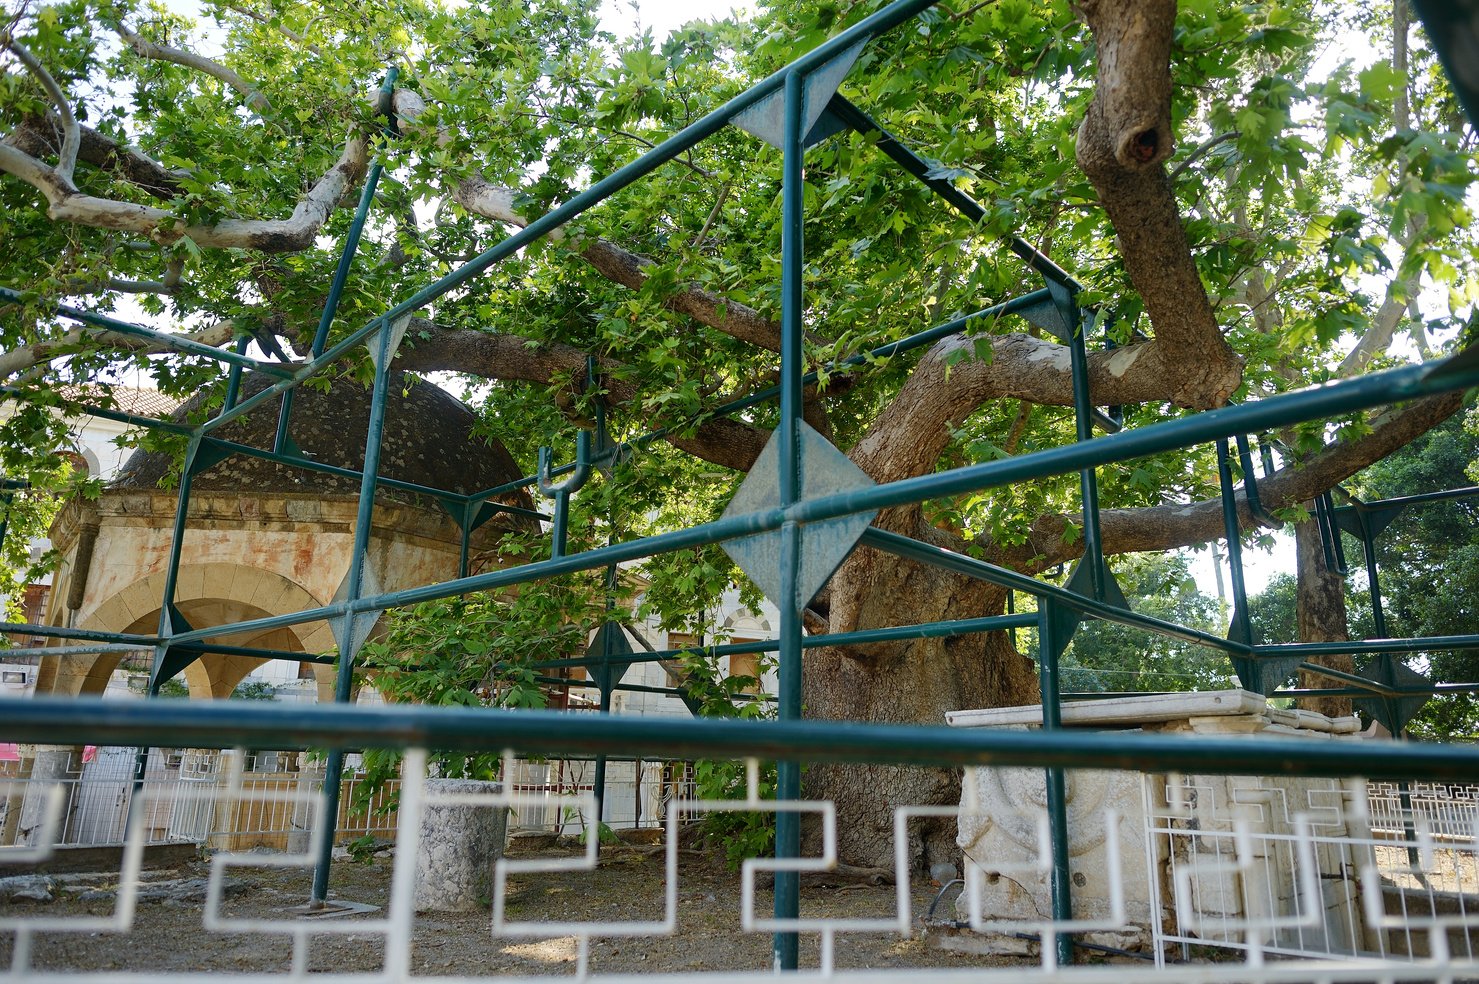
x=1241, y=879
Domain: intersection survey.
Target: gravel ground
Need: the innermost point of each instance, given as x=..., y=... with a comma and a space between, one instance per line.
x=167, y=934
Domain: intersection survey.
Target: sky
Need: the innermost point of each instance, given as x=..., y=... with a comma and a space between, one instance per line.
x=626, y=17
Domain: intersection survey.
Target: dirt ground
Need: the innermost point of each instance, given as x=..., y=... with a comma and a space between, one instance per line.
x=167, y=934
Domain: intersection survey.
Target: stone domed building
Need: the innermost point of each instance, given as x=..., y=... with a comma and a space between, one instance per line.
x=267, y=538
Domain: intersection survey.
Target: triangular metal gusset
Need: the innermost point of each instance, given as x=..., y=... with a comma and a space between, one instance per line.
x=170, y=662
x=1065, y=619
x=766, y=119
x=1393, y=710
x=350, y=631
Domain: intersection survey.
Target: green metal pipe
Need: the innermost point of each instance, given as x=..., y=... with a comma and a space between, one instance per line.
x=917, y=340
x=1364, y=683
x=1250, y=485
x=90, y=635
x=1060, y=885
x=1078, y=358
x=1395, y=385
x=932, y=630
x=1232, y=534
x=1379, y=389
x=233, y=377
x=176, y=343
x=8, y=498
x=903, y=546
x=255, y=652
x=354, y=583
x=1409, y=500
x=1282, y=650
x=788, y=444
x=967, y=206
x=308, y=464
x=96, y=648
x=167, y=627
x=1368, y=548
x=226, y=723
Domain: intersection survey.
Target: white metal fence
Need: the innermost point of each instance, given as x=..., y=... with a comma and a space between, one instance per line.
x=1266, y=872
x=187, y=802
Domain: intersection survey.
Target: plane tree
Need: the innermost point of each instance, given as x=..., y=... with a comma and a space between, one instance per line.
x=1247, y=212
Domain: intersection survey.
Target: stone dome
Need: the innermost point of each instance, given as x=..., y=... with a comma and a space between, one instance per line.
x=429, y=438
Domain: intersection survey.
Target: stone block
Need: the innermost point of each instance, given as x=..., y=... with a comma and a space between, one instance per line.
x=1001, y=811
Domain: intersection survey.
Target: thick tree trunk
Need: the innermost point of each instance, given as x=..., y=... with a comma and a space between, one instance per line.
x=913, y=682
x=1320, y=615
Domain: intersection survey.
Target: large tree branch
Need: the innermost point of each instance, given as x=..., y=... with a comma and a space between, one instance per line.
x=1122, y=143
x=277, y=26
x=37, y=136
x=723, y=441
x=909, y=435
x=1171, y=526
x=28, y=357
x=621, y=266
x=145, y=48
x=67, y=156
x=491, y=201
x=67, y=204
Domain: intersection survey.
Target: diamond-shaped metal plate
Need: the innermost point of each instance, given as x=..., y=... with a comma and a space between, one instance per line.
x=766, y=119
x=824, y=545
x=609, y=641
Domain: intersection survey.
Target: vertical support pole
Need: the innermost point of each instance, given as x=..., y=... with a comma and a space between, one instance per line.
x=167, y=602
x=788, y=774
x=1368, y=544
x=464, y=547
x=1049, y=647
x=233, y=377
x=341, y=272
x=344, y=681
x=607, y=685
x=1242, y=631
x=1334, y=548
x=1084, y=426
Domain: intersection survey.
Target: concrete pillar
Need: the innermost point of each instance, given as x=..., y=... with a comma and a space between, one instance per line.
x=310, y=781
x=458, y=846
x=49, y=765
x=15, y=797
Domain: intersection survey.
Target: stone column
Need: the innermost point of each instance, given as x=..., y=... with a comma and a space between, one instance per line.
x=458, y=846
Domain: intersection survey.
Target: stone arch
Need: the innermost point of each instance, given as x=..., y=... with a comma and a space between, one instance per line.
x=214, y=594
x=744, y=622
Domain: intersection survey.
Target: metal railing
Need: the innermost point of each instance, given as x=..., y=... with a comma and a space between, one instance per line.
x=786, y=512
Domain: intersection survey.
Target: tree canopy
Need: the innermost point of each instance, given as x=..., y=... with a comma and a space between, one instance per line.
x=1256, y=196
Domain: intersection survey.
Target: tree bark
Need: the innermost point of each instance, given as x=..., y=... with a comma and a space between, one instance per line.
x=1320, y=613
x=1122, y=144
x=913, y=682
